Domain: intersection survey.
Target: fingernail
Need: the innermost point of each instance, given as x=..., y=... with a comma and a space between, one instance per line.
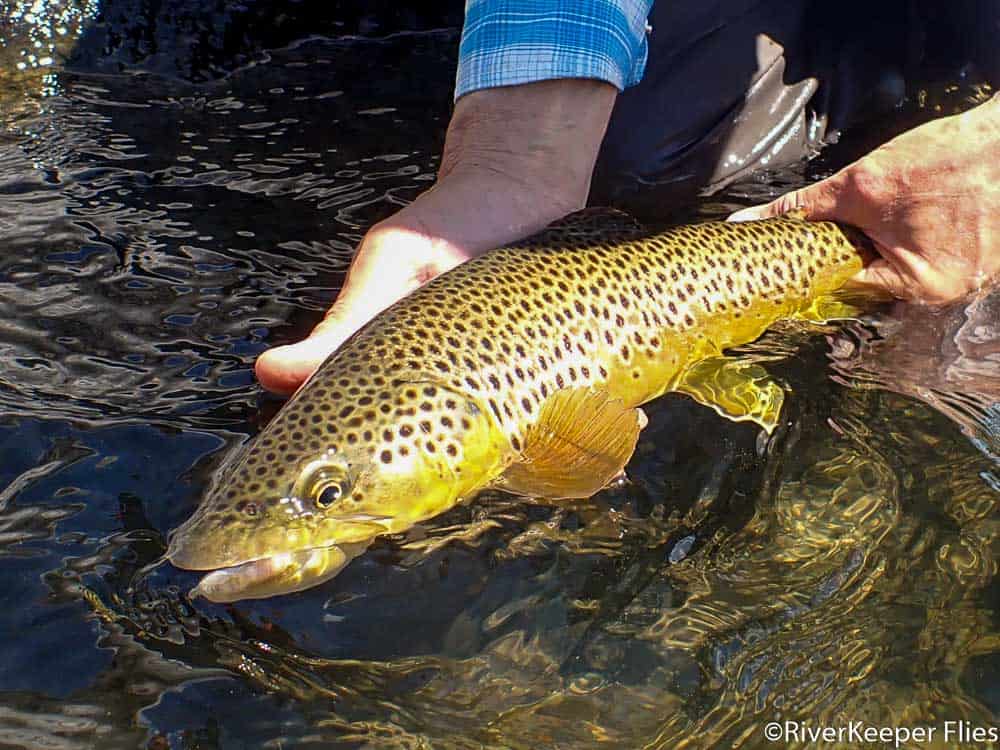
x=747, y=214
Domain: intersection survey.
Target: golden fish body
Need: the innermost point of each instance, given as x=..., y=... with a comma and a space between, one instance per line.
x=521, y=370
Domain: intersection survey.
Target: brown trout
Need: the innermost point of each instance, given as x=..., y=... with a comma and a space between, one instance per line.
x=520, y=370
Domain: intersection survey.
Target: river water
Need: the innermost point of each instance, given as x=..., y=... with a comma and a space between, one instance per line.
x=158, y=234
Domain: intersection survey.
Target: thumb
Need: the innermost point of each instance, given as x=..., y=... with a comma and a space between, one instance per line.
x=388, y=266
x=385, y=268
x=283, y=369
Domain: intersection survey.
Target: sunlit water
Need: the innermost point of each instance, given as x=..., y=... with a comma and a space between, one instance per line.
x=157, y=236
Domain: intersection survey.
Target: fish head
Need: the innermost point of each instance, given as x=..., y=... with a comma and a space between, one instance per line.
x=325, y=478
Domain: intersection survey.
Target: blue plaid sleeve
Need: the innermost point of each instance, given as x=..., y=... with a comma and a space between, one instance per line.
x=505, y=42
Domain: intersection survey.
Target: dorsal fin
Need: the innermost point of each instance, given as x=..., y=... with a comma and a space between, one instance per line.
x=585, y=226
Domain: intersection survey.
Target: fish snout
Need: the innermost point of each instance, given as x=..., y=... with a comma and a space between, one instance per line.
x=203, y=543
x=196, y=551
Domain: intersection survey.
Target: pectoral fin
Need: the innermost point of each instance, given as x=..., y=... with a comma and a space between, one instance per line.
x=581, y=442
x=737, y=390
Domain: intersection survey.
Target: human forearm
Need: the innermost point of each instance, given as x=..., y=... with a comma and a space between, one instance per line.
x=515, y=158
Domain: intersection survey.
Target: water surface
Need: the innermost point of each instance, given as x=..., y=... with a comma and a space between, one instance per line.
x=157, y=235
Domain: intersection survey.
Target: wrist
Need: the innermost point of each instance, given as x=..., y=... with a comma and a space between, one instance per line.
x=515, y=159
x=475, y=207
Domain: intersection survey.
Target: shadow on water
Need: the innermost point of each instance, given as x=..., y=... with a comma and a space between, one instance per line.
x=159, y=233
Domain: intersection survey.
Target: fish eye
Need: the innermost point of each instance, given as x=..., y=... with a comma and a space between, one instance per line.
x=329, y=495
x=323, y=482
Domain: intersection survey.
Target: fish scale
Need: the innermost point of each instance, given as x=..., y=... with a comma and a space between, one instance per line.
x=450, y=389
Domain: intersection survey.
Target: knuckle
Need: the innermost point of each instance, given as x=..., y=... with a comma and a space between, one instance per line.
x=788, y=202
x=871, y=182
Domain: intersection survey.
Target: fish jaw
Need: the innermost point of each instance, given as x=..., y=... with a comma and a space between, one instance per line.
x=268, y=562
x=206, y=542
x=284, y=573
x=258, y=572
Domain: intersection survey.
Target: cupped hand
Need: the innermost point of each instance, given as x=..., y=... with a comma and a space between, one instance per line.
x=515, y=159
x=391, y=262
x=929, y=200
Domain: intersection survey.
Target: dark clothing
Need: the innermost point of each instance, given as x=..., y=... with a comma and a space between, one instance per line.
x=735, y=86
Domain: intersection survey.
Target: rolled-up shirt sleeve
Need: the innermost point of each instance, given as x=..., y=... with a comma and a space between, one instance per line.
x=506, y=42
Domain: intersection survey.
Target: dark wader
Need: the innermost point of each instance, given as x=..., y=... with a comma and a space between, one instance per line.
x=735, y=86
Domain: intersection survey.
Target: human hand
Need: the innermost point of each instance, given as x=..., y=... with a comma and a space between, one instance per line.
x=515, y=159
x=929, y=200
x=392, y=260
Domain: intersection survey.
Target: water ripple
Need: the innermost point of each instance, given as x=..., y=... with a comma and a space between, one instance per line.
x=145, y=265
x=157, y=234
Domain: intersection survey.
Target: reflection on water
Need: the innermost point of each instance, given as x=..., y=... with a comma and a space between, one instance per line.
x=948, y=358
x=158, y=231
x=34, y=37
x=157, y=235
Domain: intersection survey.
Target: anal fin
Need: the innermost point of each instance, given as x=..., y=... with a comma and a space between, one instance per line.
x=735, y=389
x=850, y=302
x=580, y=443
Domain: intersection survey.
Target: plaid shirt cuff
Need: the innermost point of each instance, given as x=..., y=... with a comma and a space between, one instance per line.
x=506, y=42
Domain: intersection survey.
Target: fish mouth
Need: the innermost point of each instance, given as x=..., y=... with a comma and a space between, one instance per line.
x=272, y=561
x=206, y=543
x=282, y=573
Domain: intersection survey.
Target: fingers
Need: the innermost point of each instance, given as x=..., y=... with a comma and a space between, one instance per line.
x=926, y=201
x=283, y=369
x=389, y=265
x=753, y=213
x=765, y=210
x=820, y=201
x=796, y=200
x=881, y=275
